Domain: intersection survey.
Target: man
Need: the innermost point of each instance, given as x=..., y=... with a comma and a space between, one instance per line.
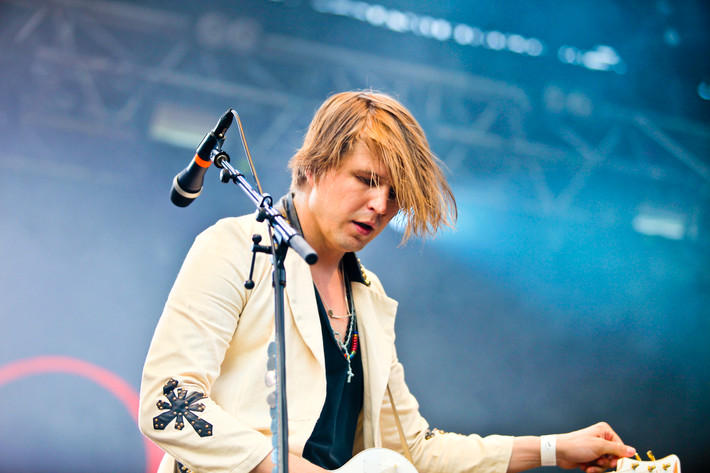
x=364, y=159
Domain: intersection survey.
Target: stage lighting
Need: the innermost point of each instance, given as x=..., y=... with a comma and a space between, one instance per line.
x=660, y=222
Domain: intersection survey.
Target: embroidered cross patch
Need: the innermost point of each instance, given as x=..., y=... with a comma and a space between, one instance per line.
x=181, y=405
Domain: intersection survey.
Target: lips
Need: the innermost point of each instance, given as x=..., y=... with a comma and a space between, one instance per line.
x=364, y=228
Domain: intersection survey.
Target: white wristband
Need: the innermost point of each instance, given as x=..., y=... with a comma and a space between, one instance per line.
x=548, y=450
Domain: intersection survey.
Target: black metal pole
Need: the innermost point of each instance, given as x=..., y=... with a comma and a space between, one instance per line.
x=279, y=278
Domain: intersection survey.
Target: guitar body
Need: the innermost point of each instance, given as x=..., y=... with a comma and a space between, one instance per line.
x=669, y=464
x=377, y=460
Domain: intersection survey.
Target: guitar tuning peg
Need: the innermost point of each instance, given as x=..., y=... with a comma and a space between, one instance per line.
x=666, y=466
x=634, y=466
x=650, y=455
x=637, y=457
x=651, y=467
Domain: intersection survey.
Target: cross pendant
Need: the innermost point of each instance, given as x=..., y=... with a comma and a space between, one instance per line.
x=350, y=373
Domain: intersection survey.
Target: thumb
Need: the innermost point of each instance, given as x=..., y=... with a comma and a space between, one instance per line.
x=617, y=449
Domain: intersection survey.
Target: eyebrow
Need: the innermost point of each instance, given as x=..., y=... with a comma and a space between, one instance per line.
x=371, y=175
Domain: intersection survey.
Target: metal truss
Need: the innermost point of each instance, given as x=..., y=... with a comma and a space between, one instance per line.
x=102, y=67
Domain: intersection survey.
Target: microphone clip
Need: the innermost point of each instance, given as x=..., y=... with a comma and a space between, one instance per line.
x=255, y=248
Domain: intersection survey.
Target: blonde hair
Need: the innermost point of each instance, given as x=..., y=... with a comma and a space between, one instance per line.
x=394, y=137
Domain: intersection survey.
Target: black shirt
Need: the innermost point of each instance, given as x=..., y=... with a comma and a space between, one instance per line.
x=331, y=443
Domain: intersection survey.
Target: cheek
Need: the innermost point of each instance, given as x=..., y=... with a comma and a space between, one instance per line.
x=390, y=214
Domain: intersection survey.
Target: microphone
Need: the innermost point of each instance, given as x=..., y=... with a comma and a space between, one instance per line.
x=187, y=185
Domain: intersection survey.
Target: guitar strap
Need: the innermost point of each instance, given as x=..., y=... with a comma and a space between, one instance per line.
x=405, y=447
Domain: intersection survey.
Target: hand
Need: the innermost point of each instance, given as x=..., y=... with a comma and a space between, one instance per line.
x=594, y=449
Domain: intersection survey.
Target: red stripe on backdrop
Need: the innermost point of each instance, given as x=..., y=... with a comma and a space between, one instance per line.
x=110, y=381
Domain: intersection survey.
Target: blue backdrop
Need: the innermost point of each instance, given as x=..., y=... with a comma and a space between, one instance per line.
x=574, y=289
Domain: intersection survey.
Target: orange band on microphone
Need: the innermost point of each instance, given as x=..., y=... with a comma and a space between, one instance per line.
x=201, y=162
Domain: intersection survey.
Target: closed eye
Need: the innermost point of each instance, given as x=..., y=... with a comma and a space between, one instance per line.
x=369, y=181
x=373, y=181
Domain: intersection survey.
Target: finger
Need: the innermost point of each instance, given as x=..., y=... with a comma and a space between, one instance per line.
x=600, y=464
x=608, y=433
x=619, y=450
x=604, y=462
x=613, y=449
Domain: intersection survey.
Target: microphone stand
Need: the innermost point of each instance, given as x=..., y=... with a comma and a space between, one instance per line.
x=281, y=236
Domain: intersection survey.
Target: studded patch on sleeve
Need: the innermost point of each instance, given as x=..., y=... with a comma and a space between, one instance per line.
x=183, y=469
x=431, y=433
x=181, y=404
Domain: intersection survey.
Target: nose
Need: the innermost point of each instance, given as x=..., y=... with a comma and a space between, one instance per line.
x=379, y=199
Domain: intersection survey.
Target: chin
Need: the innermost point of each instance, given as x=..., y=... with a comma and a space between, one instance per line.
x=355, y=246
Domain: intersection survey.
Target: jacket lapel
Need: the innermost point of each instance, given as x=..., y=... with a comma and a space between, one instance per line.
x=375, y=315
x=300, y=298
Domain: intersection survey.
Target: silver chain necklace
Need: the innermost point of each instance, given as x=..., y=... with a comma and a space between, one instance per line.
x=351, y=334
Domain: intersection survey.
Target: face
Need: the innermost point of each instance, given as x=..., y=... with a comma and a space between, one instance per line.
x=349, y=206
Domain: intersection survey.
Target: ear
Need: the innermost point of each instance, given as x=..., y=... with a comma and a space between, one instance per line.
x=310, y=179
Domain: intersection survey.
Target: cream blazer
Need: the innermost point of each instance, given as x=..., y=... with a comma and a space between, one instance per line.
x=212, y=339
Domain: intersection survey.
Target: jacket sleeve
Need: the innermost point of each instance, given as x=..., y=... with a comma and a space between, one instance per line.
x=434, y=451
x=186, y=353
